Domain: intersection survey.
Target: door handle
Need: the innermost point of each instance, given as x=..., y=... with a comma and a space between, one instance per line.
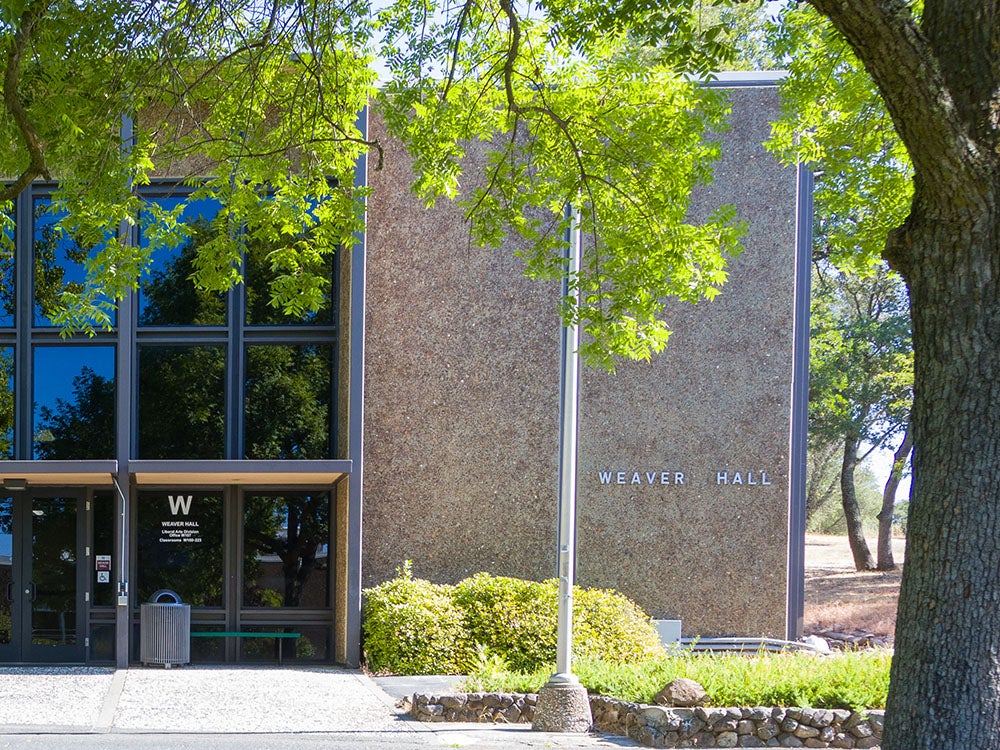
x=31, y=590
x=10, y=592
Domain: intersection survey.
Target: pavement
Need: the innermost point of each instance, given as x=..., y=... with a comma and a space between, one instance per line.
x=221, y=706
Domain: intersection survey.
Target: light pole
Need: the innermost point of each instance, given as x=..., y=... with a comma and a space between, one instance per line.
x=563, y=705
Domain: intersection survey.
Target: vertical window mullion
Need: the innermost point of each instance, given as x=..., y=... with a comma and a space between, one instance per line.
x=24, y=243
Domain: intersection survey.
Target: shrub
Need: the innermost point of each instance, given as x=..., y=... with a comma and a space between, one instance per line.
x=517, y=619
x=611, y=627
x=510, y=617
x=411, y=626
x=486, y=623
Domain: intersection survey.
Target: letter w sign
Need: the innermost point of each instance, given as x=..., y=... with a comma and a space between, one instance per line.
x=180, y=503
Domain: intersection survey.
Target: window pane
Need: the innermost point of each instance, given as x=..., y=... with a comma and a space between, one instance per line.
x=181, y=401
x=59, y=263
x=105, y=563
x=286, y=545
x=288, y=402
x=7, y=276
x=179, y=547
x=167, y=295
x=74, y=402
x=258, y=276
x=6, y=402
x=313, y=644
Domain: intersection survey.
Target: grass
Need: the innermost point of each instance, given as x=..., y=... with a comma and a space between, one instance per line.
x=854, y=681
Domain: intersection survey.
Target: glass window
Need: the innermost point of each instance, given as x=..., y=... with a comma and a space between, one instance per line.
x=179, y=546
x=6, y=402
x=286, y=546
x=288, y=397
x=6, y=567
x=181, y=402
x=167, y=296
x=59, y=263
x=7, y=253
x=105, y=564
x=313, y=644
x=260, y=273
x=74, y=402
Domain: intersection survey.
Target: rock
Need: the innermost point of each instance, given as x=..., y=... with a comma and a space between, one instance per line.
x=862, y=731
x=453, y=701
x=681, y=692
x=768, y=729
x=820, y=644
x=751, y=741
x=745, y=727
x=726, y=739
x=789, y=725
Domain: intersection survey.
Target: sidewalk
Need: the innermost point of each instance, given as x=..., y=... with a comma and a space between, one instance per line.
x=199, y=700
x=192, y=699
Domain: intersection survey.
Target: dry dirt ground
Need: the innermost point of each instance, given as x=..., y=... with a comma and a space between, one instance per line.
x=841, y=600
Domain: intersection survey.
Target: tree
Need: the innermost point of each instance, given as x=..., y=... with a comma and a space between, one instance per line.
x=860, y=379
x=267, y=92
x=931, y=68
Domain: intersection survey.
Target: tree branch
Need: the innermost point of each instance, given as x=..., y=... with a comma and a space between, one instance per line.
x=33, y=13
x=901, y=60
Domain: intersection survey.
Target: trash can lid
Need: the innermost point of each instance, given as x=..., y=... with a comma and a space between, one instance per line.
x=157, y=595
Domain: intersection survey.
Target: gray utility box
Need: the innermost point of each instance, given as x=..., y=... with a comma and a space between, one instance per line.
x=165, y=630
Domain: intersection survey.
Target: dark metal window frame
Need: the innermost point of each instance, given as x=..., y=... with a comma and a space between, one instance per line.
x=127, y=336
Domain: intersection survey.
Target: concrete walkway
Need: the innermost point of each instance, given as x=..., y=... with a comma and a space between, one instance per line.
x=226, y=700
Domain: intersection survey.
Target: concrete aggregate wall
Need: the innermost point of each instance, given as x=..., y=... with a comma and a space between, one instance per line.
x=684, y=461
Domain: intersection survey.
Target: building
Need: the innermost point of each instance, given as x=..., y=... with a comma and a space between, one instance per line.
x=267, y=469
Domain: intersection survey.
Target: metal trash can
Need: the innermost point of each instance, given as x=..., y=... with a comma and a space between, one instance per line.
x=165, y=630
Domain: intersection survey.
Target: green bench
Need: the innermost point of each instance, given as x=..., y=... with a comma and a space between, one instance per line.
x=246, y=634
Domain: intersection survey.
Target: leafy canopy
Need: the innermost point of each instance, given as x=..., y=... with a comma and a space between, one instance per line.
x=255, y=103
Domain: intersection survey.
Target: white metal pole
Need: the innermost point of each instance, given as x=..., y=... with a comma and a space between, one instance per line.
x=569, y=394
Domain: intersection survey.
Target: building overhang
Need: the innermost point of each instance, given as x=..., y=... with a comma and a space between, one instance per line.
x=284, y=473
x=21, y=474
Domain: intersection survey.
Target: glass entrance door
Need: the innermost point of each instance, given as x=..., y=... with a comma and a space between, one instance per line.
x=40, y=553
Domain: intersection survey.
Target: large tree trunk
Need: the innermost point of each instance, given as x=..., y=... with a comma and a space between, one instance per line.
x=863, y=559
x=885, y=560
x=946, y=672
x=939, y=75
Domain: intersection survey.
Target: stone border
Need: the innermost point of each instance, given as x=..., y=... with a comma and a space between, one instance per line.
x=656, y=726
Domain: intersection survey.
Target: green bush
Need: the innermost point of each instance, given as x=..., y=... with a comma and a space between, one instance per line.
x=488, y=622
x=411, y=626
x=511, y=617
x=611, y=627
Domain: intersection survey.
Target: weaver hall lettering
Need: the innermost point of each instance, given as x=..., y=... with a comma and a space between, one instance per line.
x=745, y=478
x=641, y=477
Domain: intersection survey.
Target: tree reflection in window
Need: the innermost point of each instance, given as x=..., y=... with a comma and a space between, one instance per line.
x=288, y=396
x=6, y=402
x=181, y=402
x=259, y=277
x=59, y=266
x=168, y=296
x=74, y=402
x=7, y=252
x=286, y=544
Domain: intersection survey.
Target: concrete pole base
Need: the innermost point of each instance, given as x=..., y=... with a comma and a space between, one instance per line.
x=563, y=706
